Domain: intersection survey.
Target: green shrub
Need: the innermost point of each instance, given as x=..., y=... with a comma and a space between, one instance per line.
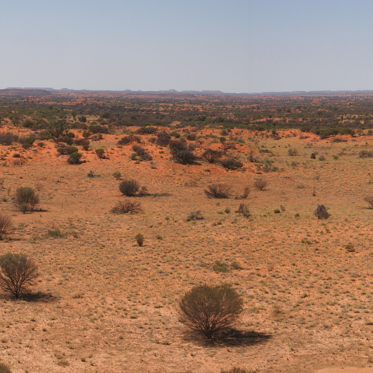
x=55, y=233
x=220, y=266
x=100, y=152
x=117, y=175
x=74, y=158
x=210, y=310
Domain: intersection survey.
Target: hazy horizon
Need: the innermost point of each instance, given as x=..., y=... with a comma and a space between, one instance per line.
x=234, y=47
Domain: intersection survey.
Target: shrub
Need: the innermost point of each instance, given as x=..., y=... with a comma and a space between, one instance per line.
x=4, y=368
x=6, y=225
x=55, y=233
x=322, y=158
x=321, y=212
x=129, y=187
x=236, y=370
x=74, y=158
x=369, y=199
x=66, y=139
x=142, y=153
x=125, y=207
x=211, y=155
x=245, y=193
x=210, y=310
x=177, y=145
x=184, y=156
x=139, y=239
x=195, y=215
x=100, y=153
x=7, y=138
x=26, y=199
x=128, y=139
x=244, y=210
x=117, y=175
x=366, y=154
x=163, y=138
x=220, y=266
x=218, y=191
x=292, y=152
x=260, y=184
x=96, y=128
x=67, y=150
x=231, y=164
x=146, y=130
x=17, y=272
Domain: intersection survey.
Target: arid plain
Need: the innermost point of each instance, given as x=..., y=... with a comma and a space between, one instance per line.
x=106, y=304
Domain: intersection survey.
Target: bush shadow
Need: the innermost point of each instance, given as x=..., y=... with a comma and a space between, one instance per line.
x=40, y=296
x=230, y=337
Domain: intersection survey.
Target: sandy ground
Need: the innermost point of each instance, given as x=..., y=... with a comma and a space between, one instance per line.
x=111, y=305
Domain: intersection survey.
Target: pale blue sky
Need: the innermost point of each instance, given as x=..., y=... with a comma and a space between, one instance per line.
x=232, y=46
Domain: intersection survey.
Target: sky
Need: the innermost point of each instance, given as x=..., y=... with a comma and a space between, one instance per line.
x=229, y=45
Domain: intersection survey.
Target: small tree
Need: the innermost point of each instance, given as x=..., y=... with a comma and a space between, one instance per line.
x=6, y=225
x=26, y=199
x=210, y=309
x=17, y=272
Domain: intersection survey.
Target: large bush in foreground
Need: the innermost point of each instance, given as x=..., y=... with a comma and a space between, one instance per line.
x=17, y=272
x=210, y=309
x=26, y=199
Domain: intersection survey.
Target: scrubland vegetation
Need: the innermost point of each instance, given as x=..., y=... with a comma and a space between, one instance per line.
x=185, y=233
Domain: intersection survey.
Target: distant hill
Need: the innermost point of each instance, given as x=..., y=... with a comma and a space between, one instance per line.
x=35, y=91
x=23, y=92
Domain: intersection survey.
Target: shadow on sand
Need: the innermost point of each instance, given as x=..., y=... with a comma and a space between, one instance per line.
x=231, y=337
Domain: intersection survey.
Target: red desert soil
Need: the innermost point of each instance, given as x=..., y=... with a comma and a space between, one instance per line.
x=112, y=304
